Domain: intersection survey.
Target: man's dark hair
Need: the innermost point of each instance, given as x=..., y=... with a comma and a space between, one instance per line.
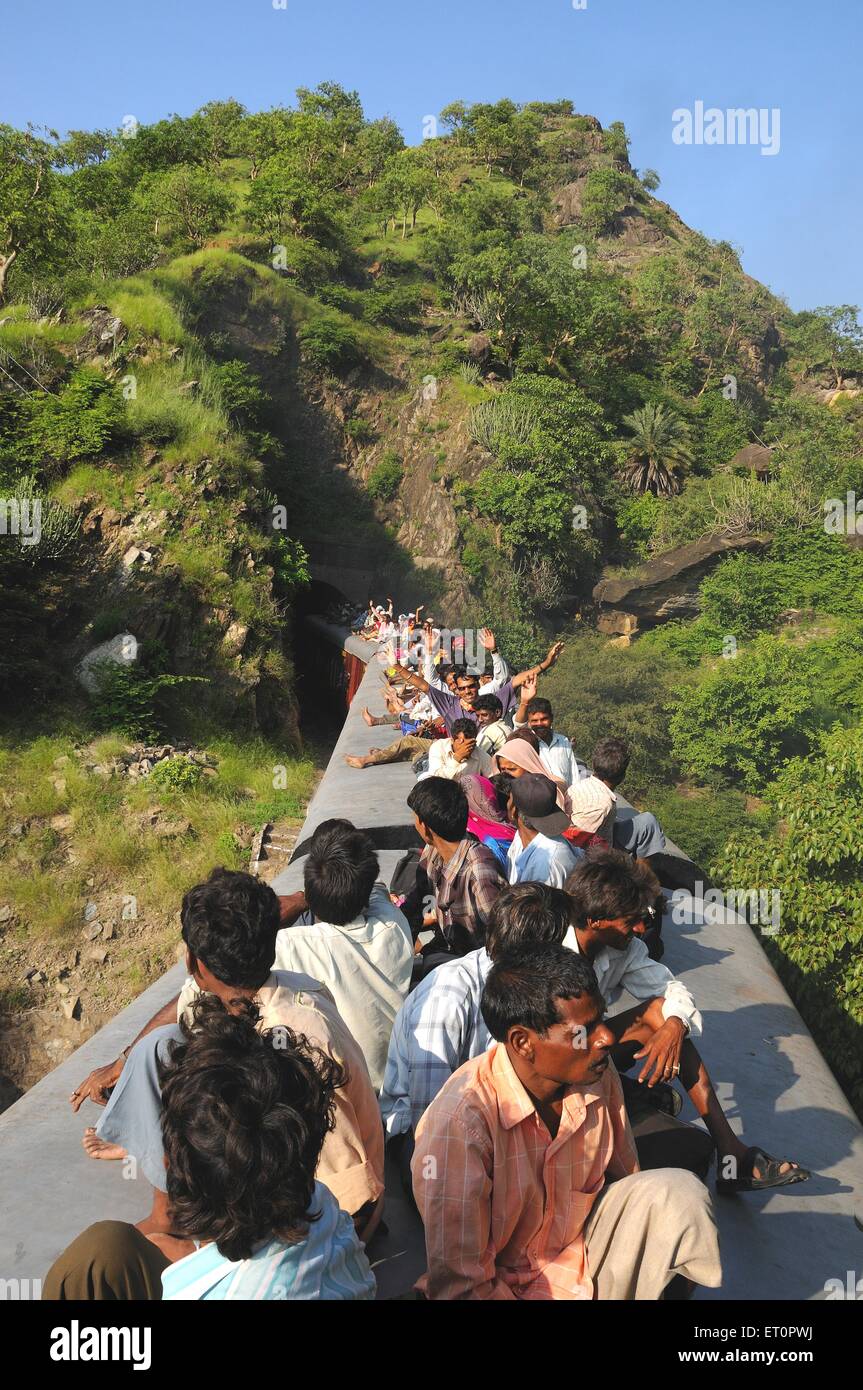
x=502, y=783
x=524, y=985
x=526, y=735
x=605, y=885
x=463, y=726
x=244, y=1118
x=459, y=671
x=230, y=923
x=490, y=703
x=539, y=705
x=610, y=760
x=527, y=912
x=445, y=670
x=340, y=872
x=441, y=804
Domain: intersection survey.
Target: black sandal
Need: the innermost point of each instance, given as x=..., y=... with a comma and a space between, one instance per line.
x=771, y=1174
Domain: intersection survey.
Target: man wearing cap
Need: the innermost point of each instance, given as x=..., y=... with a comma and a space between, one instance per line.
x=539, y=853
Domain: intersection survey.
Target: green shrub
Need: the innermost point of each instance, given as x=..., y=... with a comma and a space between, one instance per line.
x=398, y=307
x=360, y=431
x=329, y=344
x=177, y=774
x=129, y=698
x=637, y=521
x=748, y=717
x=814, y=858
x=504, y=418
x=290, y=564
x=385, y=478
x=743, y=595
x=82, y=420
x=470, y=374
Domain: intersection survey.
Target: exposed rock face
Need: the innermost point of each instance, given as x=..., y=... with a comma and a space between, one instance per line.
x=121, y=650
x=667, y=586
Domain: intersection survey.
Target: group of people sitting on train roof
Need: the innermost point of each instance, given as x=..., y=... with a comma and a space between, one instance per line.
x=457, y=1019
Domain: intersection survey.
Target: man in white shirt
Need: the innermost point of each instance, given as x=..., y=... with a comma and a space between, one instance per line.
x=608, y=891
x=555, y=750
x=493, y=728
x=355, y=941
x=455, y=756
x=539, y=853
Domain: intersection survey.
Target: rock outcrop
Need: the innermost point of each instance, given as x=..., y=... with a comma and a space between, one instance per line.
x=666, y=586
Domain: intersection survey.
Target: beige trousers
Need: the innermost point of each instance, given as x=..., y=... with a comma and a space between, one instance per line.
x=648, y=1227
x=408, y=747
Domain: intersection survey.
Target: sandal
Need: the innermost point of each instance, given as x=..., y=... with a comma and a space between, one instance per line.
x=771, y=1175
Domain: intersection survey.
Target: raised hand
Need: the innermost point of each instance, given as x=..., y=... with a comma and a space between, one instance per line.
x=487, y=637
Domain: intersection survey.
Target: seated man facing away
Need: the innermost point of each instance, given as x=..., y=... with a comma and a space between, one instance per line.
x=539, y=853
x=229, y=926
x=524, y=1171
x=245, y=1115
x=608, y=897
x=555, y=750
x=351, y=938
x=493, y=731
x=464, y=876
x=460, y=753
x=635, y=831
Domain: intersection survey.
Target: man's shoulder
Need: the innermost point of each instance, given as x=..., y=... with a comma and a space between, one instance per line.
x=468, y=1099
x=477, y=853
x=454, y=978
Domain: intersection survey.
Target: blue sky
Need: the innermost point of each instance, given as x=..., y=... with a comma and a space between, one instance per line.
x=796, y=215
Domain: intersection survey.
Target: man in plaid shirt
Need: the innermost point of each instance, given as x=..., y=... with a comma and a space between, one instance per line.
x=463, y=874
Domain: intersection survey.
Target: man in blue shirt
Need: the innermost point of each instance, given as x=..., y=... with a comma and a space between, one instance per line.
x=539, y=853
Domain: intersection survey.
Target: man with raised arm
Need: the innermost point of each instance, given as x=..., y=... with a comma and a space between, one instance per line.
x=461, y=704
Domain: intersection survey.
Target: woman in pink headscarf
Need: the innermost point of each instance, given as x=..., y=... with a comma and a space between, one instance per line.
x=485, y=818
x=518, y=756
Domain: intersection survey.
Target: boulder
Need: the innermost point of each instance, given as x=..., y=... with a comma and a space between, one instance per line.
x=666, y=586
x=479, y=348
x=121, y=650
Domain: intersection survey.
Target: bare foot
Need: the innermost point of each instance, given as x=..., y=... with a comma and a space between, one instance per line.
x=369, y=718
x=99, y=1148
x=355, y=762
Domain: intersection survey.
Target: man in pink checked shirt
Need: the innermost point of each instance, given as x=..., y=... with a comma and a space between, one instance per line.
x=525, y=1172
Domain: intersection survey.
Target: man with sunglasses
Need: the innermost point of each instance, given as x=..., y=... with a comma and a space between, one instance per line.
x=461, y=704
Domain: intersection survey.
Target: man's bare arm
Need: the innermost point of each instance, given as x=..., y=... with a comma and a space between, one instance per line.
x=103, y=1078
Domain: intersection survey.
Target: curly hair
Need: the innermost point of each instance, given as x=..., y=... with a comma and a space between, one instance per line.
x=244, y=1117
x=230, y=924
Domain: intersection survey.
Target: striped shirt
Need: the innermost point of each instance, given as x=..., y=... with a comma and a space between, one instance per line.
x=329, y=1265
x=438, y=1027
x=503, y=1204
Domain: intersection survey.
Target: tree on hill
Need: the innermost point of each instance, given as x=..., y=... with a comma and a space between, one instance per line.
x=261, y=135
x=220, y=123
x=194, y=204
x=659, y=450
x=286, y=199
x=342, y=110
x=830, y=339
x=606, y=193
x=406, y=184
x=31, y=214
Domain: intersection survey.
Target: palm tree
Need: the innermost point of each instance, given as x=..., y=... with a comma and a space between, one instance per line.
x=659, y=450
